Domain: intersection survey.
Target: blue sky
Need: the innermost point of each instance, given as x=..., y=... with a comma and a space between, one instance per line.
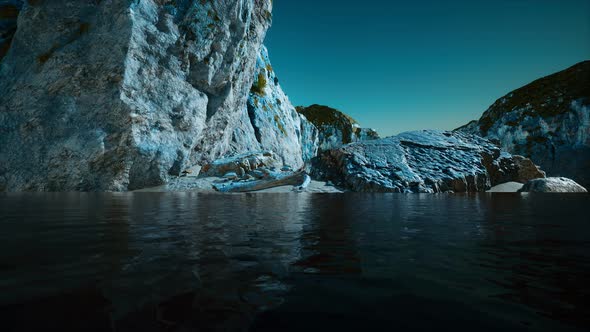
x=397, y=66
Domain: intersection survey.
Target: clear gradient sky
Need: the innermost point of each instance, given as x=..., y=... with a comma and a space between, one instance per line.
x=406, y=65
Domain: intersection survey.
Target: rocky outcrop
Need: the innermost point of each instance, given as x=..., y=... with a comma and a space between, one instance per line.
x=120, y=95
x=335, y=128
x=423, y=162
x=240, y=164
x=547, y=121
x=553, y=185
x=274, y=122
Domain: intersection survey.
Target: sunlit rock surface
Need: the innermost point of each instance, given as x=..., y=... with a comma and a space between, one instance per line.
x=553, y=185
x=547, y=121
x=424, y=162
x=274, y=122
x=335, y=128
x=120, y=95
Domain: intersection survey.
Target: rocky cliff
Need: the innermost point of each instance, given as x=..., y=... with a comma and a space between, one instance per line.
x=547, y=121
x=335, y=128
x=119, y=95
x=423, y=162
x=271, y=123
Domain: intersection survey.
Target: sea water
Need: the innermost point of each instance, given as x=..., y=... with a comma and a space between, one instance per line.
x=294, y=262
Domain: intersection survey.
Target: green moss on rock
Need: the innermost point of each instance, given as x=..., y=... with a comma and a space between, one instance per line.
x=545, y=97
x=259, y=85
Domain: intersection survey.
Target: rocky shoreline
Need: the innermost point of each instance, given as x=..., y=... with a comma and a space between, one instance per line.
x=186, y=85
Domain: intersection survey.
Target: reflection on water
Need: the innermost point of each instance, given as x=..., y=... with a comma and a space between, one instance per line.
x=184, y=261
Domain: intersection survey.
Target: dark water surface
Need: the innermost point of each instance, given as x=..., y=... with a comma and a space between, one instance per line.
x=294, y=262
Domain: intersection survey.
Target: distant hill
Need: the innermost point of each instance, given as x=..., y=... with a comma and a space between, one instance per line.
x=547, y=120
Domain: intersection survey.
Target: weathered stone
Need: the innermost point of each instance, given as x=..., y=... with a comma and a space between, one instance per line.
x=547, y=121
x=274, y=122
x=240, y=164
x=335, y=128
x=119, y=95
x=423, y=161
x=509, y=168
x=553, y=185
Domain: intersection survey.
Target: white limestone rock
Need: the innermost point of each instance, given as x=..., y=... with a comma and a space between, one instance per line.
x=120, y=95
x=274, y=121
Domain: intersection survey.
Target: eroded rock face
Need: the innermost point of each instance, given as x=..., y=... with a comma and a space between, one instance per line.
x=423, y=162
x=335, y=128
x=547, y=121
x=553, y=185
x=119, y=95
x=273, y=121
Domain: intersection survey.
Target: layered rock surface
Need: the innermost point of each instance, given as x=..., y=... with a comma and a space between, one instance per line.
x=547, y=121
x=335, y=128
x=423, y=162
x=120, y=95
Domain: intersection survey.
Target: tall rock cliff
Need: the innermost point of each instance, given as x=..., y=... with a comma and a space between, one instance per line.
x=119, y=95
x=547, y=121
x=272, y=123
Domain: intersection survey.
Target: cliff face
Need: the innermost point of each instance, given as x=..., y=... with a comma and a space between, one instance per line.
x=119, y=95
x=547, y=121
x=271, y=123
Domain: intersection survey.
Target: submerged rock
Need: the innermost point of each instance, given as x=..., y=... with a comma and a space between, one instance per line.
x=335, y=128
x=553, y=185
x=120, y=95
x=423, y=162
x=547, y=120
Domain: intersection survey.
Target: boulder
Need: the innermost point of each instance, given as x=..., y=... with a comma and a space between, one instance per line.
x=335, y=128
x=9, y=10
x=426, y=161
x=547, y=121
x=241, y=164
x=509, y=168
x=553, y=185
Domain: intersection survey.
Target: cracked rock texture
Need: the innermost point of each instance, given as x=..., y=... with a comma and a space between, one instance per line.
x=547, y=121
x=9, y=10
x=423, y=162
x=120, y=95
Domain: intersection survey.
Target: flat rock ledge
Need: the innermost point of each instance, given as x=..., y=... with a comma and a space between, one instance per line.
x=426, y=161
x=553, y=185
